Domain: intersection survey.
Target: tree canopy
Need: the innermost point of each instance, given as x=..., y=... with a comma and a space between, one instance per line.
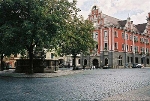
x=51, y=24
x=79, y=38
x=35, y=22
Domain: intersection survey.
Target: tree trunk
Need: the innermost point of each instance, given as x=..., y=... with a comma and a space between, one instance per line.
x=2, y=63
x=30, y=52
x=74, y=62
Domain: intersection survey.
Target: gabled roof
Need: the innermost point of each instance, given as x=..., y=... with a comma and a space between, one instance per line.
x=141, y=27
x=111, y=19
x=122, y=23
x=115, y=21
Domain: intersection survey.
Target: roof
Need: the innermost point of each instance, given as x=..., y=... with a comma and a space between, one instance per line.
x=141, y=27
x=111, y=19
x=122, y=23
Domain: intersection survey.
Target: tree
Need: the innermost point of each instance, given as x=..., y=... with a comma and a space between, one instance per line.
x=78, y=40
x=35, y=22
x=7, y=44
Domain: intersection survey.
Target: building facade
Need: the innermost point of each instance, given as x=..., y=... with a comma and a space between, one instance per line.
x=120, y=43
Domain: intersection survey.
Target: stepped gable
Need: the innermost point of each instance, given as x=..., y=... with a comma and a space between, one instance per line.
x=141, y=27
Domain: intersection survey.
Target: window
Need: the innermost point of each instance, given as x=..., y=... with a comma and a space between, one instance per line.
x=85, y=62
x=135, y=38
x=123, y=36
x=123, y=46
x=105, y=34
x=116, y=45
x=106, y=46
x=147, y=50
x=143, y=40
x=95, y=35
x=127, y=47
x=136, y=60
x=147, y=60
x=146, y=41
x=15, y=55
x=128, y=59
x=136, y=49
x=141, y=60
x=131, y=59
x=130, y=37
x=52, y=55
x=120, y=61
x=79, y=61
x=116, y=34
x=97, y=46
x=140, y=39
x=141, y=49
x=131, y=48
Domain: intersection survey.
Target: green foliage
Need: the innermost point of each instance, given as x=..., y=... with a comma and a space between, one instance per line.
x=34, y=22
x=30, y=23
x=78, y=38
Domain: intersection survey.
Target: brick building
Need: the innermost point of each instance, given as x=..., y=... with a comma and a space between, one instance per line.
x=120, y=43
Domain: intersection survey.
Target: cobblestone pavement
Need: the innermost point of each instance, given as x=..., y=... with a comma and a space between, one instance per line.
x=11, y=73
x=86, y=85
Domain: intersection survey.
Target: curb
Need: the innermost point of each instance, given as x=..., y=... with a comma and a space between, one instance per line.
x=11, y=73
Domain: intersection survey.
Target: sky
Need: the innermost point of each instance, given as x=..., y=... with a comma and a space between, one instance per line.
x=137, y=10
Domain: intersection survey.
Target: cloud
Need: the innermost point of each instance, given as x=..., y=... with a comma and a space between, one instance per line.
x=137, y=9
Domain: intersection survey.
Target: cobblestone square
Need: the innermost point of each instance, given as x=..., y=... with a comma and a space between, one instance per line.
x=97, y=84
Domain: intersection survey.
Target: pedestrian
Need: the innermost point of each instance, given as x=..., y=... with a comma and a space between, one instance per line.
x=68, y=65
x=93, y=67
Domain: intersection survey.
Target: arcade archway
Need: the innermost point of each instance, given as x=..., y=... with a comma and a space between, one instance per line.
x=95, y=63
x=106, y=61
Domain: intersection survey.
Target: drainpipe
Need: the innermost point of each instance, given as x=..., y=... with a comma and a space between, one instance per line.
x=125, y=49
x=144, y=54
x=133, y=48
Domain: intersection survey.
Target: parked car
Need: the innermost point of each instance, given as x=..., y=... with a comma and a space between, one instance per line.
x=137, y=65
